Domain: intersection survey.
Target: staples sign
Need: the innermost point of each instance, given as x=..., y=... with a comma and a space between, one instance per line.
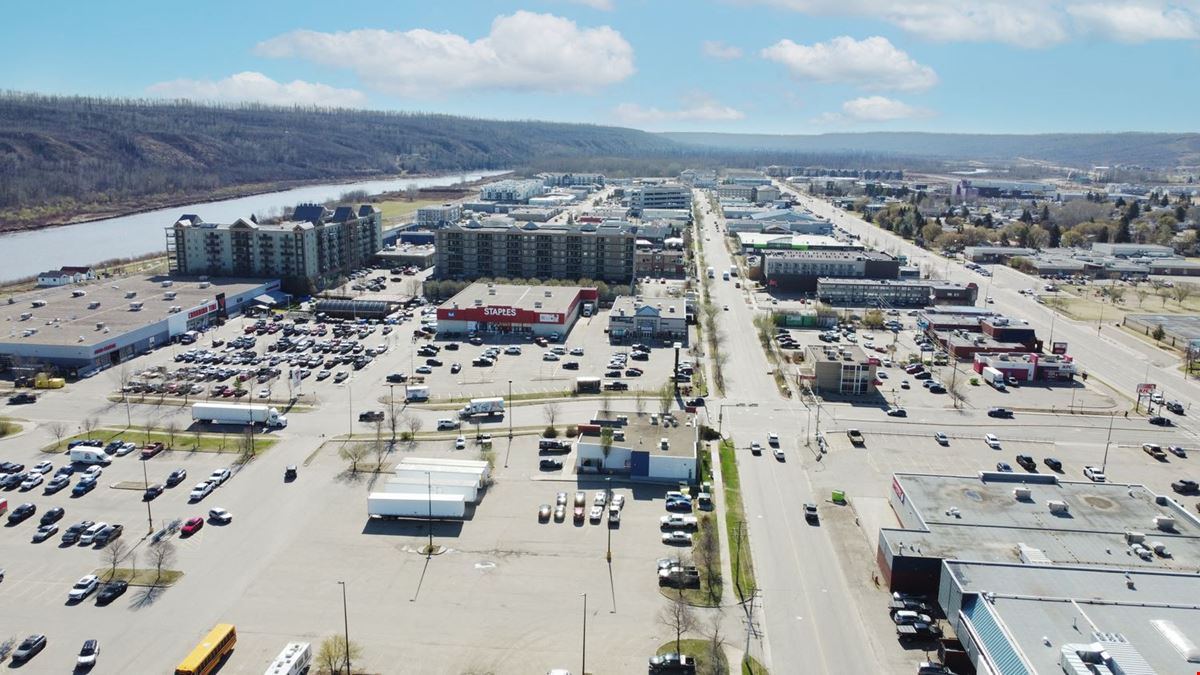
x=507, y=312
x=201, y=311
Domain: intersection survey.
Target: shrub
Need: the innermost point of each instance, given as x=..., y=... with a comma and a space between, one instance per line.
x=550, y=432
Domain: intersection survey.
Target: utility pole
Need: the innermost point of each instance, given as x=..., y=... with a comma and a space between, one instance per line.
x=346, y=622
x=1104, y=463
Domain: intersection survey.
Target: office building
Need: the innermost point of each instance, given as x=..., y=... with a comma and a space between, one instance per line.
x=506, y=309
x=640, y=450
x=633, y=319
x=433, y=217
x=800, y=270
x=838, y=369
x=666, y=196
x=502, y=248
x=511, y=191
x=307, y=253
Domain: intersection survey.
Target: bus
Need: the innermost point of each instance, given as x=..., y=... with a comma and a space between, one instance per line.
x=207, y=655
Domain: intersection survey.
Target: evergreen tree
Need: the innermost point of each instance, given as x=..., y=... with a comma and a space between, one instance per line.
x=1055, y=233
x=1026, y=217
x=1102, y=235
x=1045, y=217
x=1122, y=235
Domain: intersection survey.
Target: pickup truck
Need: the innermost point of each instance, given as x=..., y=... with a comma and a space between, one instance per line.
x=856, y=437
x=918, y=631
x=1154, y=450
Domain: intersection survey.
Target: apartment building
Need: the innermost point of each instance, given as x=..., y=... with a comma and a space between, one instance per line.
x=433, y=217
x=571, y=179
x=513, y=191
x=891, y=293
x=665, y=196
x=501, y=248
x=307, y=253
x=800, y=270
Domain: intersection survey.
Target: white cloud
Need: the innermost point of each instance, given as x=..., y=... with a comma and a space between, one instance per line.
x=1135, y=22
x=700, y=108
x=879, y=109
x=252, y=86
x=522, y=52
x=722, y=51
x=604, y=5
x=1022, y=23
x=873, y=62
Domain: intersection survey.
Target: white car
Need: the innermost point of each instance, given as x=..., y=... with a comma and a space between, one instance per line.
x=549, y=356
x=513, y=350
x=200, y=491
x=778, y=452
x=1094, y=474
x=219, y=476
x=445, y=423
x=601, y=498
x=83, y=588
x=460, y=443
x=992, y=441
x=618, y=503
x=43, y=467
x=125, y=448
x=219, y=515
x=264, y=393
x=596, y=514
x=941, y=438
x=93, y=472
x=773, y=439
x=881, y=374
x=577, y=351
x=677, y=537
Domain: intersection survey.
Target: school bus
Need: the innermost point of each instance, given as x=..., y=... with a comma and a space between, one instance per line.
x=208, y=654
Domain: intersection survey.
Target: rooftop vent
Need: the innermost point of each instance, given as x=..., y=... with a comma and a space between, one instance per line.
x=78, y=294
x=95, y=304
x=1165, y=523
x=1057, y=506
x=1022, y=494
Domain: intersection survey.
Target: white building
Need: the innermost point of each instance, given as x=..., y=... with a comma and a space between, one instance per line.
x=643, y=447
x=439, y=216
x=516, y=191
x=666, y=196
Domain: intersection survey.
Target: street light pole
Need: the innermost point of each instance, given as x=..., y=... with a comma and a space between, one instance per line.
x=510, y=411
x=429, y=503
x=1104, y=463
x=346, y=623
x=146, y=482
x=583, y=661
x=608, y=500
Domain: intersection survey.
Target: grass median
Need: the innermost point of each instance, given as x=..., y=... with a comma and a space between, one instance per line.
x=735, y=524
x=181, y=441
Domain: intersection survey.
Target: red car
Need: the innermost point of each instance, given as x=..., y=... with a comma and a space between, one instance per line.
x=192, y=526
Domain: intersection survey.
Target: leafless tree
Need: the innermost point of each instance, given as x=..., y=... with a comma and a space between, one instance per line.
x=957, y=390
x=708, y=555
x=639, y=402
x=1181, y=292
x=414, y=424
x=151, y=425
x=162, y=555
x=666, y=393
x=678, y=618
x=114, y=552
x=1140, y=292
x=172, y=428
x=715, y=664
x=550, y=413
x=354, y=453
x=89, y=425
x=246, y=445
x=393, y=422
x=58, y=430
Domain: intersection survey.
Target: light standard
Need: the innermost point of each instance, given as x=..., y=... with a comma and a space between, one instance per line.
x=350, y=398
x=509, y=413
x=583, y=661
x=608, y=500
x=429, y=504
x=1104, y=463
x=346, y=623
x=146, y=482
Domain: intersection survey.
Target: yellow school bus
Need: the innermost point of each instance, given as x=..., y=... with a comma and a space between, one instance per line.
x=205, y=657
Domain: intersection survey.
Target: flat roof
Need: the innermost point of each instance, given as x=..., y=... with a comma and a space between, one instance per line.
x=825, y=353
x=553, y=299
x=640, y=434
x=65, y=318
x=812, y=240
x=979, y=518
x=1065, y=605
x=629, y=305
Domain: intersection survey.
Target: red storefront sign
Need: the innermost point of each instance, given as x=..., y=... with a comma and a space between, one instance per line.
x=499, y=314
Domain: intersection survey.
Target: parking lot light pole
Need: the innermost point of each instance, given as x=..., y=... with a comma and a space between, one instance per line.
x=583, y=662
x=608, y=491
x=346, y=624
x=510, y=411
x=146, y=482
x=1112, y=416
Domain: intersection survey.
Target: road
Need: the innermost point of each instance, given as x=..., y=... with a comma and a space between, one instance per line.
x=1120, y=360
x=809, y=616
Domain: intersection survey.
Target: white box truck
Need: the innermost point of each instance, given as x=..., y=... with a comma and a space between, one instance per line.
x=90, y=455
x=238, y=413
x=482, y=406
x=994, y=377
x=416, y=394
x=415, y=505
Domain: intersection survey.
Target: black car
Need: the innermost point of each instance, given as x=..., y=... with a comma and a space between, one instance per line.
x=111, y=591
x=108, y=534
x=570, y=365
x=433, y=362
x=923, y=375
x=72, y=533
x=289, y=473
x=21, y=513
x=1175, y=407
x=810, y=513
x=452, y=346
x=550, y=465
x=152, y=492
x=176, y=477
x=1161, y=421
x=633, y=372
x=1000, y=412
x=1003, y=467
x=1184, y=486
x=370, y=415
x=696, y=403
x=11, y=467
x=29, y=648
x=397, y=378
x=53, y=515
x=616, y=386
x=640, y=356
x=1027, y=462
x=672, y=663
x=23, y=397
x=1054, y=464
x=476, y=340
x=612, y=373
x=455, y=367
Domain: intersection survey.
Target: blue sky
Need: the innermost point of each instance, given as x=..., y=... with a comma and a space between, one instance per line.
x=754, y=66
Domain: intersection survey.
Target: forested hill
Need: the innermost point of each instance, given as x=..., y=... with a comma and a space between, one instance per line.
x=1154, y=150
x=66, y=157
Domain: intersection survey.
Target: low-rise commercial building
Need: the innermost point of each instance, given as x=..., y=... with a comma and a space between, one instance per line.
x=994, y=254
x=890, y=293
x=800, y=270
x=307, y=253
x=502, y=248
x=1027, y=367
x=765, y=241
x=669, y=263
x=1133, y=250
x=634, y=319
x=571, y=179
x=96, y=325
x=841, y=369
x=405, y=255
x=510, y=309
x=642, y=449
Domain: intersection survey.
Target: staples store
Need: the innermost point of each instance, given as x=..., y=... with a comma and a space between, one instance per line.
x=523, y=310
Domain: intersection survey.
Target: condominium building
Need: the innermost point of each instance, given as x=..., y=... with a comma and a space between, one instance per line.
x=433, y=217
x=666, y=196
x=571, y=179
x=501, y=248
x=516, y=191
x=307, y=253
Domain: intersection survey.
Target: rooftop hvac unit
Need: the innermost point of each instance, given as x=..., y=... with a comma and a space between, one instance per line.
x=1132, y=537
x=1022, y=494
x=205, y=284
x=99, y=325
x=130, y=294
x=1159, y=548
x=1057, y=506
x=95, y=304
x=1166, y=523
x=1141, y=552
x=78, y=294
x=38, y=303
x=491, y=290
x=135, y=306
x=548, y=294
x=479, y=302
x=25, y=316
x=167, y=283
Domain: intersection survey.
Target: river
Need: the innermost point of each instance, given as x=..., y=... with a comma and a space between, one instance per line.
x=28, y=253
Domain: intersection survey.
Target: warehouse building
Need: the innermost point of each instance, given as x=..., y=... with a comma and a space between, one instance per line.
x=890, y=293
x=758, y=240
x=633, y=319
x=307, y=253
x=85, y=327
x=643, y=449
x=520, y=310
x=504, y=248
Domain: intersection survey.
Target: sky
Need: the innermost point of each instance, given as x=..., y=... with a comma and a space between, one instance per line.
x=744, y=66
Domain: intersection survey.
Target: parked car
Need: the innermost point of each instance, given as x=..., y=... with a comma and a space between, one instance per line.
x=29, y=648
x=53, y=515
x=219, y=515
x=755, y=448
x=152, y=492
x=550, y=465
x=192, y=526
x=44, y=532
x=672, y=663
x=1159, y=420
x=1026, y=462
x=108, y=534
x=56, y=483
x=21, y=513
x=677, y=538
x=176, y=477
x=1003, y=467
x=1185, y=486
x=992, y=441
x=87, y=655
x=1003, y=413
x=111, y=591
x=810, y=513
x=1177, y=450
x=219, y=476
x=897, y=412
x=1053, y=463
x=941, y=438
x=200, y=491
x=1094, y=474
x=72, y=534
x=83, y=588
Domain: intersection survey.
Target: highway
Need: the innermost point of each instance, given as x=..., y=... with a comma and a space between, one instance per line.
x=809, y=615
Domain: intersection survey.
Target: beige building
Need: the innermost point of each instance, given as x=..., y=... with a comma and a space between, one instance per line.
x=500, y=248
x=308, y=253
x=839, y=369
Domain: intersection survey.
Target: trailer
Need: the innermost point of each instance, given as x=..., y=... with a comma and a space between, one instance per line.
x=993, y=377
x=439, y=473
x=410, y=483
x=415, y=505
x=416, y=394
x=296, y=658
x=239, y=414
x=482, y=407
x=429, y=461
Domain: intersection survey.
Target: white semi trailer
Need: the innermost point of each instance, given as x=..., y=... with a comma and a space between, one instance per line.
x=238, y=413
x=414, y=505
